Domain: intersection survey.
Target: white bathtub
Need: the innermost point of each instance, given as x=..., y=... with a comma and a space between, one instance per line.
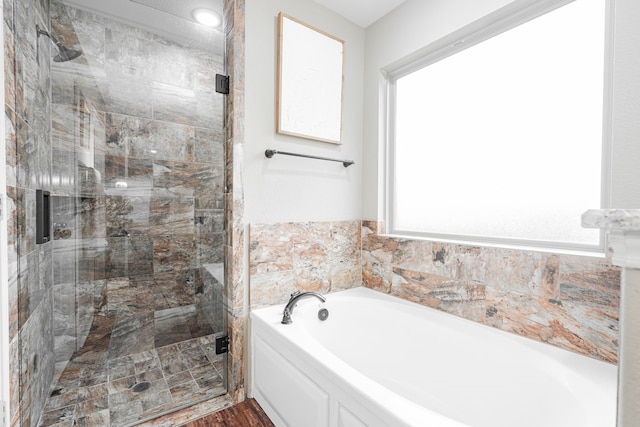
x=382, y=361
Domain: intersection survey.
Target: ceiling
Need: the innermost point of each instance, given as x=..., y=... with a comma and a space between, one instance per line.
x=172, y=18
x=169, y=18
x=362, y=12
x=183, y=8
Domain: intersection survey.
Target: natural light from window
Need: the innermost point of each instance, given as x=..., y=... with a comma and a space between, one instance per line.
x=504, y=140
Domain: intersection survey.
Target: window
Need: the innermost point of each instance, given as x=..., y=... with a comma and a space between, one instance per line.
x=502, y=141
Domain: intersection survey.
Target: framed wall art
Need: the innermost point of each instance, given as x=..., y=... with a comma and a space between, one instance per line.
x=310, y=81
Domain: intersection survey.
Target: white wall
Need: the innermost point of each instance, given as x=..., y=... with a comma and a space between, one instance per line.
x=418, y=23
x=288, y=188
x=625, y=165
x=625, y=156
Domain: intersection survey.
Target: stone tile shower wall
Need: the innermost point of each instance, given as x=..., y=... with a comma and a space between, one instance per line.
x=307, y=256
x=28, y=148
x=568, y=301
x=98, y=132
x=128, y=139
x=234, y=267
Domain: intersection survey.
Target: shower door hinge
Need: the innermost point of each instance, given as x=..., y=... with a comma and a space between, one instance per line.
x=4, y=414
x=222, y=84
x=222, y=344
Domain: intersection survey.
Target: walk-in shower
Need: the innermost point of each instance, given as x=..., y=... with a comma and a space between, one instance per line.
x=117, y=317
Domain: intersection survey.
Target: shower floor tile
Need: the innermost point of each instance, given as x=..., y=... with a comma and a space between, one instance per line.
x=123, y=391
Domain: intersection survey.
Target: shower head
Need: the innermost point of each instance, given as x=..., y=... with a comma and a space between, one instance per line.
x=64, y=53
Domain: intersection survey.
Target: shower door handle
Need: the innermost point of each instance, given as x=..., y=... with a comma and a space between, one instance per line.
x=43, y=216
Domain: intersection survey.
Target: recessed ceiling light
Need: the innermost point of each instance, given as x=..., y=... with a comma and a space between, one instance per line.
x=207, y=17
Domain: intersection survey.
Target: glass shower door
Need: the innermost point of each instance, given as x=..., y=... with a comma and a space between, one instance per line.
x=138, y=210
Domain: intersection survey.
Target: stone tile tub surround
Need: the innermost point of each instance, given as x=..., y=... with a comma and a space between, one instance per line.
x=306, y=256
x=568, y=301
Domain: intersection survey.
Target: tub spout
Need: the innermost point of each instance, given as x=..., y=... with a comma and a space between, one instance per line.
x=295, y=297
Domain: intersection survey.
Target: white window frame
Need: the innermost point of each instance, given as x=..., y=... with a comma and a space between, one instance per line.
x=504, y=19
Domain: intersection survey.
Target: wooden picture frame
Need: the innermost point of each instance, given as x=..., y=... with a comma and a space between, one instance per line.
x=310, y=82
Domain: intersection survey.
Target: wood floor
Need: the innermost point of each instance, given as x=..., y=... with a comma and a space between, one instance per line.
x=245, y=414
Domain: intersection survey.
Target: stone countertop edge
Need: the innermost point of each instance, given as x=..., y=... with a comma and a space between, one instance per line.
x=612, y=219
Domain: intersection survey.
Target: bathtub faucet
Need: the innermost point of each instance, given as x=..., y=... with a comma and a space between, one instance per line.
x=295, y=297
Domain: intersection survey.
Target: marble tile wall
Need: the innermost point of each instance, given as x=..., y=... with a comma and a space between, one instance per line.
x=307, y=256
x=568, y=301
x=235, y=249
x=28, y=147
